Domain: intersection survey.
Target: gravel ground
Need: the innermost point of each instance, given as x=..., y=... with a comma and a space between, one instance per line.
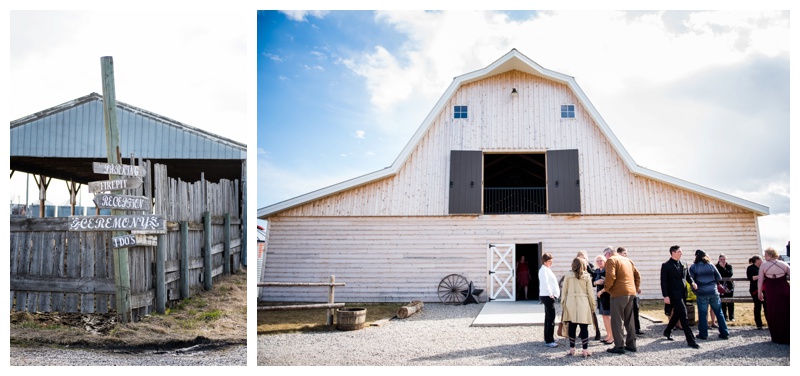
x=440, y=335
x=48, y=356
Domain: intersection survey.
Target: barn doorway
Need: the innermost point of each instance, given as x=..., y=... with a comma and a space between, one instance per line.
x=533, y=257
x=514, y=184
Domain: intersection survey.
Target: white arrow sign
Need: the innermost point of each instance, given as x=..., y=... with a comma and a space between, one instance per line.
x=114, y=185
x=117, y=169
x=110, y=201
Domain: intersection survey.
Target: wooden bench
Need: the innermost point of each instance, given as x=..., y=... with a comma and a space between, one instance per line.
x=738, y=299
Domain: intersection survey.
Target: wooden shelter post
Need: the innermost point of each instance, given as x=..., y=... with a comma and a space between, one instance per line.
x=122, y=278
x=42, y=182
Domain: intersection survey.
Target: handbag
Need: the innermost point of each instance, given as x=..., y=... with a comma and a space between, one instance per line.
x=721, y=289
x=562, y=329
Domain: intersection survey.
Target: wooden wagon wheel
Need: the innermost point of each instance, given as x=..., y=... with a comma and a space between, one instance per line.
x=453, y=289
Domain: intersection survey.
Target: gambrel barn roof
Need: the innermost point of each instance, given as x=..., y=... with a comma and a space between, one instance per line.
x=62, y=141
x=514, y=60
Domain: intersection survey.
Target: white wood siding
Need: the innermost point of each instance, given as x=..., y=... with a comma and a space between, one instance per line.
x=402, y=259
x=501, y=123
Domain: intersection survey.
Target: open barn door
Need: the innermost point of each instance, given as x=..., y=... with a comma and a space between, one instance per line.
x=502, y=285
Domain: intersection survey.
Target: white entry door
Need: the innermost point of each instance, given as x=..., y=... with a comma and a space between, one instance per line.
x=502, y=272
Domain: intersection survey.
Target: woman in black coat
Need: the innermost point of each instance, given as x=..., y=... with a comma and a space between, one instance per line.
x=752, y=276
x=726, y=271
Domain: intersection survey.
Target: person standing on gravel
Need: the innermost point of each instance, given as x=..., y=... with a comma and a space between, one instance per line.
x=674, y=275
x=590, y=269
x=548, y=293
x=578, y=304
x=622, y=282
x=726, y=271
x=706, y=276
x=752, y=276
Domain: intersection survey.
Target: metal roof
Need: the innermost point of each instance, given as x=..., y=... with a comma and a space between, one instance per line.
x=513, y=60
x=75, y=130
x=74, y=133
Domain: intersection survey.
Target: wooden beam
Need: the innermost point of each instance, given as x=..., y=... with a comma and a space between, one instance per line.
x=122, y=277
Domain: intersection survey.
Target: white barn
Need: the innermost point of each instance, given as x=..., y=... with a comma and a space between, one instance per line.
x=513, y=160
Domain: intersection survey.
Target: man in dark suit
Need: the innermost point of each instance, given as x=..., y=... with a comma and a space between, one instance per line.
x=673, y=274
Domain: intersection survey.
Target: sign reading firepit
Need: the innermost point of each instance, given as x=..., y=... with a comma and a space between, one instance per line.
x=114, y=185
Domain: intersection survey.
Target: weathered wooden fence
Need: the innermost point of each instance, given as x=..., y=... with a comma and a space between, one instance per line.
x=330, y=305
x=53, y=269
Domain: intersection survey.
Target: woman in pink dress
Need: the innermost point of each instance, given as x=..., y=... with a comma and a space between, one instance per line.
x=523, y=275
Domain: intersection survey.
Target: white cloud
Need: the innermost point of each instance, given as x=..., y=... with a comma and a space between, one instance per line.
x=441, y=45
x=343, y=155
x=302, y=15
x=319, y=55
x=360, y=134
x=274, y=58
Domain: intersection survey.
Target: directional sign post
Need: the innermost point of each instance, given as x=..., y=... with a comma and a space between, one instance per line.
x=109, y=201
x=114, y=185
x=134, y=240
x=117, y=169
x=152, y=223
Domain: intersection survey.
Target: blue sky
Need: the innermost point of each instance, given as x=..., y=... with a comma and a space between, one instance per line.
x=702, y=96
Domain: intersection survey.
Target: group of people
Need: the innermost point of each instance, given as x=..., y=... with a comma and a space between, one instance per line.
x=613, y=284
x=611, y=288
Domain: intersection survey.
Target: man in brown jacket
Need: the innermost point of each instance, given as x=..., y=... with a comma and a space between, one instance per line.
x=622, y=282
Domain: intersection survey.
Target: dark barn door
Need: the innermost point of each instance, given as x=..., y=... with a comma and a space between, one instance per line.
x=466, y=191
x=563, y=182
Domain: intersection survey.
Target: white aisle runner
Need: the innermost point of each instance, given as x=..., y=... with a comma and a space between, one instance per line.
x=526, y=312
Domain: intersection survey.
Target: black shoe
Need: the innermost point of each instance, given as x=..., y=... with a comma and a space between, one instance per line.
x=723, y=336
x=631, y=349
x=639, y=332
x=701, y=337
x=694, y=345
x=597, y=337
x=668, y=334
x=616, y=350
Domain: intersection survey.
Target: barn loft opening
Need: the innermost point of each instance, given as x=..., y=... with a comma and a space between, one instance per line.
x=514, y=184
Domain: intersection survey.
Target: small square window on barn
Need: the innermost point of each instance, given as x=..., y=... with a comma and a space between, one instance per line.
x=567, y=111
x=459, y=112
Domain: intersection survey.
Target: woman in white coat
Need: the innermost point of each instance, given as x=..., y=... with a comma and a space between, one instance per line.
x=578, y=304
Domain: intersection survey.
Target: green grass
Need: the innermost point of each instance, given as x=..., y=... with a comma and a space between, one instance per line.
x=743, y=312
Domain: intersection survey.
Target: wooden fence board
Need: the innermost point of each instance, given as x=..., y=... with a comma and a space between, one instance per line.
x=71, y=271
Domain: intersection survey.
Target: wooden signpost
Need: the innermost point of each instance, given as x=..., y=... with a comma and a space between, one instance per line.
x=152, y=223
x=111, y=201
x=134, y=240
x=117, y=169
x=114, y=185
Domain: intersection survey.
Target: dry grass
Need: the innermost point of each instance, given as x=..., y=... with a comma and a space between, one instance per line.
x=218, y=316
x=743, y=312
x=274, y=322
